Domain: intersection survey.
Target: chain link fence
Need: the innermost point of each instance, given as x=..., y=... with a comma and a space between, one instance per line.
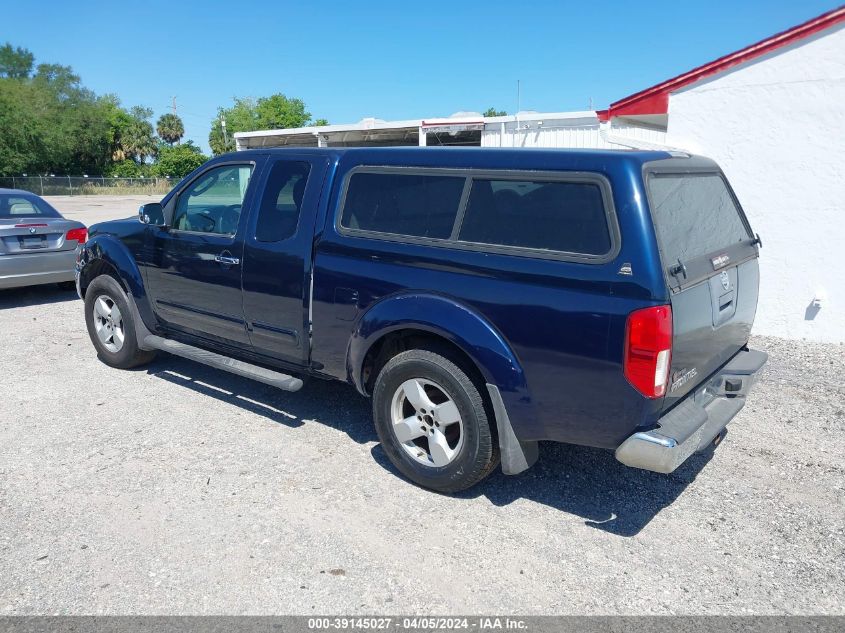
x=87, y=185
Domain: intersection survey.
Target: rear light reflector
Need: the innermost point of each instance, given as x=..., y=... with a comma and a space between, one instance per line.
x=80, y=235
x=648, y=350
x=27, y=226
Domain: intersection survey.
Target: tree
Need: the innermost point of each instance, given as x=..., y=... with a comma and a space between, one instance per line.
x=493, y=112
x=170, y=128
x=177, y=161
x=241, y=117
x=119, y=121
x=278, y=112
x=50, y=123
x=321, y=122
x=19, y=128
x=15, y=63
x=138, y=140
x=267, y=113
x=60, y=81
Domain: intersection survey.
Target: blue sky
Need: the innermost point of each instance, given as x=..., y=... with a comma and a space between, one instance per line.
x=391, y=60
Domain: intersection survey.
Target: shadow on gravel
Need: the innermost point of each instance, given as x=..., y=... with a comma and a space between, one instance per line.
x=35, y=296
x=586, y=482
x=590, y=483
x=334, y=404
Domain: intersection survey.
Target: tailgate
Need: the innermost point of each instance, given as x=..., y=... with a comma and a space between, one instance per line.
x=710, y=259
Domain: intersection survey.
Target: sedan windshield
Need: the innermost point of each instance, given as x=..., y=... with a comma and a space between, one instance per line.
x=22, y=205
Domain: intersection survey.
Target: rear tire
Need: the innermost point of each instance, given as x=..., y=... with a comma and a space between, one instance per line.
x=111, y=325
x=432, y=421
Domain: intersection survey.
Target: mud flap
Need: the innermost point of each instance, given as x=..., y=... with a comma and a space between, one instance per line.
x=141, y=331
x=517, y=456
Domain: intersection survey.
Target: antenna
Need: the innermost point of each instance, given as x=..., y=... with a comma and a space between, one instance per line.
x=173, y=100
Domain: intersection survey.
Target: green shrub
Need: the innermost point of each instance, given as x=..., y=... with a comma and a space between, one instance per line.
x=129, y=169
x=178, y=161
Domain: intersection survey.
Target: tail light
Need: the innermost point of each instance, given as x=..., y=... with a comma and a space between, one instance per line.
x=648, y=350
x=80, y=235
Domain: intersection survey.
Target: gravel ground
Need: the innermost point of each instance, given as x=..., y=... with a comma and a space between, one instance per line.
x=181, y=489
x=177, y=488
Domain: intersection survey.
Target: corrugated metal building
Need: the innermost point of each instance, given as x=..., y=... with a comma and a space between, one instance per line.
x=526, y=129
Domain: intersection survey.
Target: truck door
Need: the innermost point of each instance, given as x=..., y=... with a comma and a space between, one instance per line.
x=277, y=257
x=194, y=274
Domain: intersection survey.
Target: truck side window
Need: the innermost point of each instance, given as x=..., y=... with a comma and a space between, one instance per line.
x=402, y=204
x=281, y=204
x=567, y=217
x=212, y=203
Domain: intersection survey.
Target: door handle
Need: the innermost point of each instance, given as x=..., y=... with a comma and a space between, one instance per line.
x=225, y=259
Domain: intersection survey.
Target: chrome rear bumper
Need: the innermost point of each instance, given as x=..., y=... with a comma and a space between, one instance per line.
x=694, y=423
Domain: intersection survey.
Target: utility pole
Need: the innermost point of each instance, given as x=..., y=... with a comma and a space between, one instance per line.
x=225, y=135
x=173, y=104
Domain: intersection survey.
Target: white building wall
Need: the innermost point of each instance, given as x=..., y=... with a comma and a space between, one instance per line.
x=637, y=133
x=546, y=133
x=776, y=125
x=573, y=133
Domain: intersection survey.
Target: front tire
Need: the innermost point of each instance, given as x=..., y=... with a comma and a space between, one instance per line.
x=432, y=421
x=111, y=325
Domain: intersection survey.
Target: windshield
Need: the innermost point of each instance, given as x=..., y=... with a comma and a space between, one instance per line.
x=695, y=215
x=22, y=205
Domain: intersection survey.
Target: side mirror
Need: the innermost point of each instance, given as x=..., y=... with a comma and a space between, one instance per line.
x=151, y=213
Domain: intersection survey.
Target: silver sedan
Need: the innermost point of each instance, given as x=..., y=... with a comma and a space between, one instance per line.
x=37, y=245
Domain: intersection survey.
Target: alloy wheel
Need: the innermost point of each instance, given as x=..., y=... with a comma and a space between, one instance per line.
x=427, y=423
x=108, y=323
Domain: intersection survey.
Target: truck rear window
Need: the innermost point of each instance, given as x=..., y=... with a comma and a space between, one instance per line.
x=694, y=215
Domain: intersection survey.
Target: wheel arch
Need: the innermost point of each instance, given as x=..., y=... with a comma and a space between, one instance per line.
x=104, y=254
x=94, y=269
x=395, y=321
x=408, y=321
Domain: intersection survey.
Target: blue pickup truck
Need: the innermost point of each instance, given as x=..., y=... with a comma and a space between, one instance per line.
x=484, y=299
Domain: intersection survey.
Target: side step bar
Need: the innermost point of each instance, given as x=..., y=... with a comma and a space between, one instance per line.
x=247, y=370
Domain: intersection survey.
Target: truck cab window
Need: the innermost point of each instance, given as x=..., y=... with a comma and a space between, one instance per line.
x=212, y=203
x=281, y=204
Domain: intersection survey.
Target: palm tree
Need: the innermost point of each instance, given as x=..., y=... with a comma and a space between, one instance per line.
x=170, y=128
x=137, y=138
